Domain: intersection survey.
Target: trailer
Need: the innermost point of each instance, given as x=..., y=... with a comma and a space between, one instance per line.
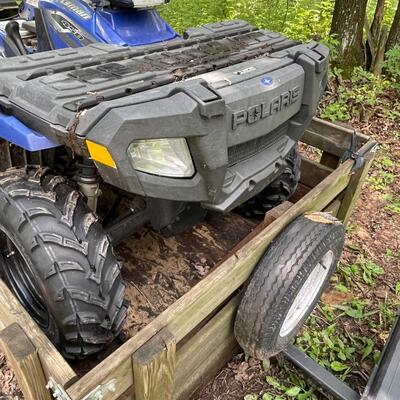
x=178, y=342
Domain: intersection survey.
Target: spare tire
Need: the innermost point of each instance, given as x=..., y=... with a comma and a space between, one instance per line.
x=287, y=284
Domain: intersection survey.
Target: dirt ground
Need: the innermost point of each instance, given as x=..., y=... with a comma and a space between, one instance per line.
x=374, y=232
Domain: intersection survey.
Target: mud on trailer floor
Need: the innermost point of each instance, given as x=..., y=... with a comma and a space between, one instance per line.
x=159, y=270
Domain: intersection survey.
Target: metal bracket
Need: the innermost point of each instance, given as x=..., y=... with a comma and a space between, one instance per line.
x=97, y=394
x=353, y=154
x=320, y=375
x=57, y=390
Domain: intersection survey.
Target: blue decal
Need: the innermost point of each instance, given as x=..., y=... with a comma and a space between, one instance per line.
x=15, y=132
x=267, y=81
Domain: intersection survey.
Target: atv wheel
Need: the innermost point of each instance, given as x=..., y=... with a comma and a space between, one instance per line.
x=57, y=260
x=280, y=190
x=287, y=284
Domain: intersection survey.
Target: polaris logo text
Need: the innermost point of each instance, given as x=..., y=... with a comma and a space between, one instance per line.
x=264, y=110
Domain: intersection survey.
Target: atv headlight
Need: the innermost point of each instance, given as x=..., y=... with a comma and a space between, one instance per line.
x=165, y=157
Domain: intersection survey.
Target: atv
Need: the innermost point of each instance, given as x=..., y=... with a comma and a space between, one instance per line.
x=99, y=139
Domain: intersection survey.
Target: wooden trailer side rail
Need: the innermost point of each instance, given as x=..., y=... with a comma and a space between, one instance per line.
x=24, y=357
x=52, y=362
x=193, y=338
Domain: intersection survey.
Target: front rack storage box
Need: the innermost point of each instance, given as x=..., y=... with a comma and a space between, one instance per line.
x=191, y=340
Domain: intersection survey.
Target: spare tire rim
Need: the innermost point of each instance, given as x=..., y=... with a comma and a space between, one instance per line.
x=18, y=275
x=307, y=295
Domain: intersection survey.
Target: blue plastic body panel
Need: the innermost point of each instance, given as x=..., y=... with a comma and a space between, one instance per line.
x=133, y=27
x=15, y=132
x=84, y=25
x=27, y=12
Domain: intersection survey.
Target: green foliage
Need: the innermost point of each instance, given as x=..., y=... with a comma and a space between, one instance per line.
x=355, y=309
x=363, y=271
x=383, y=175
x=370, y=271
x=297, y=389
x=302, y=19
x=392, y=65
x=393, y=204
x=337, y=111
x=390, y=9
x=313, y=21
x=332, y=43
x=333, y=349
x=358, y=98
x=183, y=14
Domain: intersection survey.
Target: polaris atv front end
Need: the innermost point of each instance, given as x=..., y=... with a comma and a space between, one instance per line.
x=124, y=136
x=210, y=119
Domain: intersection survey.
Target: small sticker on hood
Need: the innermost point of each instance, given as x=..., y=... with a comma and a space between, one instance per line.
x=267, y=81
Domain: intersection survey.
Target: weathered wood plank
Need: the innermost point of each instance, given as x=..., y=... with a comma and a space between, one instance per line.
x=24, y=360
x=154, y=368
x=333, y=208
x=201, y=357
x=329, y=160
x=313, y=173
x=195, y=306
x=354, y=188
x=330, y=137
x=11, y=311
x=276, y=213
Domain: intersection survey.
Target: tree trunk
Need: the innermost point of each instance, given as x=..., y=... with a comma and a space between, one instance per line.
x=394, y=34
x=374, y=42
x=347, y=27
x=378, y=18
x=379, y=57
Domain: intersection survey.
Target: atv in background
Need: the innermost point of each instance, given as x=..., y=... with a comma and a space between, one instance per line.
x=186, y=125
x=43, y=25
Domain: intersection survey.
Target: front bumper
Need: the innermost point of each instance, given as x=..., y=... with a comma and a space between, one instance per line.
x=240, y=123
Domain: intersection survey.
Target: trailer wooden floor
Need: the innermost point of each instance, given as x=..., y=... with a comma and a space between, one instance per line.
x=158, y=270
